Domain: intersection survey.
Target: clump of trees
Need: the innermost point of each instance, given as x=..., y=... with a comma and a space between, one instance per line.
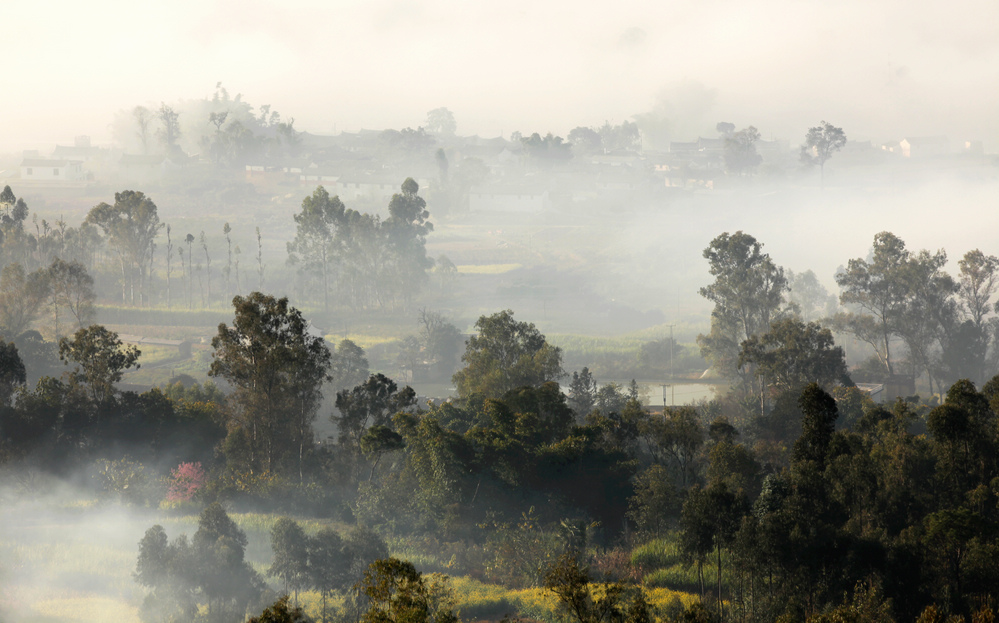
x=325, y=562
x=741, y=156
x=915, y=317
x=60, y=419
x=506, y=354
x=131, y=226
x=901, y=295
x=606, y=138
x=277, y=369
x=209, y=571
x=225, y=127
x=545, y=151
x=748, y=293
x=359, y=259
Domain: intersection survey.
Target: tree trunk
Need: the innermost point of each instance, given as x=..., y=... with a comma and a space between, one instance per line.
x=700, y=575
x=55, y=314
x=891, y=371
x=326, y=283
x=124, y=285
x=721, y=609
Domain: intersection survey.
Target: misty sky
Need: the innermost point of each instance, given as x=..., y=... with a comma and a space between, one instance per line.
x=881, y=70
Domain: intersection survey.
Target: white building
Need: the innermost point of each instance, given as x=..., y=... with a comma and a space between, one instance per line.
x=51, y=171
x=924, y=146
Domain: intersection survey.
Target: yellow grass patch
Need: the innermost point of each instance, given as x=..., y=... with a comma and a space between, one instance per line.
x=477, y=600
x=663, y=597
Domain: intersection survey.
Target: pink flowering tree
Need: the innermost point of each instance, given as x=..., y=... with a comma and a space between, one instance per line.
x=185, y=481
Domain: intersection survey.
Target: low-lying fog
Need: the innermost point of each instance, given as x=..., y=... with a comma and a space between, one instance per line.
x=883, y=68
x=68, y=555
x=880, y=70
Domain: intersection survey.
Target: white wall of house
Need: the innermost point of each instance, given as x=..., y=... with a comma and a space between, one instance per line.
x=52, y=171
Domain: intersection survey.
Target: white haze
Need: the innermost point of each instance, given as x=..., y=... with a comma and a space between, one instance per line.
x=54, y=550
x=65, y=556
x=652, y=258
x=881, y=70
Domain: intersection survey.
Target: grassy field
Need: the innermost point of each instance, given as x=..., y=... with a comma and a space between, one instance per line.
x=620, y=357
x=364, y=341
x=158, y=364
x=163, y=317
x=589, y=346
x=663, y=565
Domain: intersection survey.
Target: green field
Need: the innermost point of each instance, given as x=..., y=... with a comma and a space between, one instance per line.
x=663, y=566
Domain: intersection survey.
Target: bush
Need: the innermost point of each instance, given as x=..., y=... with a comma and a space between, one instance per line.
x=522, y=552
x=125, y=481
x=185, y=481
x=614, y=565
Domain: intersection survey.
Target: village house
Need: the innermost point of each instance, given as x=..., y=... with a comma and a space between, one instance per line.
x=51, y=171
x=80, y=151
x=924, y=146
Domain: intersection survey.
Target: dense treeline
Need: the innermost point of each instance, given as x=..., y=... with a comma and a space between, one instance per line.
x=826, y=494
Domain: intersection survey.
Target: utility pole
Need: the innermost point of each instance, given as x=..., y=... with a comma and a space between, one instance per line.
x=670, y=384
